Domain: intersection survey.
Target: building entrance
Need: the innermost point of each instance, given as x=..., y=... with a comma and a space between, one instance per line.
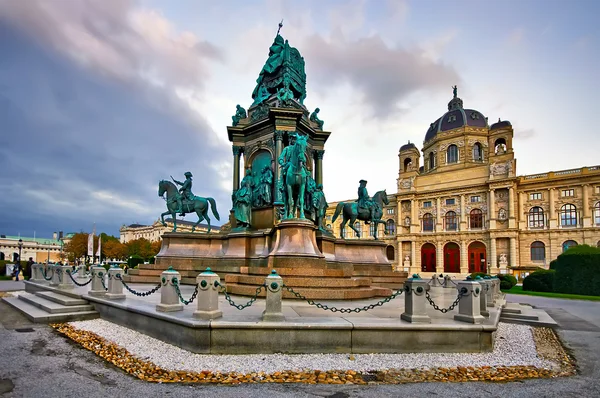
x=477, y=257
x=428, y=258
x=451, y=257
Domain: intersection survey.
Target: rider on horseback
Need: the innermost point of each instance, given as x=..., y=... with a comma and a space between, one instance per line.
x=364, y=201
x=286, y=154
x=185, y=191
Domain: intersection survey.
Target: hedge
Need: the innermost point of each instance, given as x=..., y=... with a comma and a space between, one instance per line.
x=134, y=260
x=577, y=272
x=541, y=280
x=507, y=281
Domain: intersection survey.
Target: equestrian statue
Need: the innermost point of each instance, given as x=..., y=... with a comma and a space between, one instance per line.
x=184, y=201
x=294, y=173
x=365, y=209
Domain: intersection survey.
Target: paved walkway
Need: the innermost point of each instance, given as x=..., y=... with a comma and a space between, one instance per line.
x=11, y=286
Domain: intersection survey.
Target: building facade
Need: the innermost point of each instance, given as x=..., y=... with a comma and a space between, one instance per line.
x=40, y=249
x=461, y=208
x=155, y=231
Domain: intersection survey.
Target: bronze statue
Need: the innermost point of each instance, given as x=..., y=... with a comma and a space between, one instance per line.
x=242, y=203
x=197, y=204
x=240, y=113
x=311, y=188
x=454, y=90
x=274, y=61
x=351, y=212
x=294, y=173
x=320, y=205
x=185, y=190
x=264, y=194
x=315, y=118
x=364, y=201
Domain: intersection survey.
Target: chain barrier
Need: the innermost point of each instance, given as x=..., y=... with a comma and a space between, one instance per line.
x=59, y=273
x=45, y=274
x=460, y=295
x=454, y=283
x=101, y=276
x=240, y=306
x=184, y=301
x=74, y=272
x=139, y=294
x=77, y=283
x=346, y=310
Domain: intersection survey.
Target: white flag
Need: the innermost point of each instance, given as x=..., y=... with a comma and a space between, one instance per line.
x=91, y=242
x=98, y=253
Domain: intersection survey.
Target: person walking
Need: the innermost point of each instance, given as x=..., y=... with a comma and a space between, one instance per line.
x=17, y=270
x=27, y=272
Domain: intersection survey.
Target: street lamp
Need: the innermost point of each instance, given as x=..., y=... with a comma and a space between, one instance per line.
x=20, y=247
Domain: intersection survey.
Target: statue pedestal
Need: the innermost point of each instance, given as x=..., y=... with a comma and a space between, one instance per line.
x=295, y=245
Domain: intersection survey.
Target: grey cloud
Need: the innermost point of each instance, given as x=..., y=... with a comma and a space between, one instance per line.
x=382, y=74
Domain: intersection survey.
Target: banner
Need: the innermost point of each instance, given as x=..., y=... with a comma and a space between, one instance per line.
x=99, y=252
x=90, y=251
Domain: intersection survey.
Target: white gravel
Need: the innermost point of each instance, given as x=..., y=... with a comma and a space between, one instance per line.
x=514, y=346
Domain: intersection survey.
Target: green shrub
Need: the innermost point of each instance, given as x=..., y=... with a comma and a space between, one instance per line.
x=540, y=281
x=152, y=260
x=582, y=249
x=578, y=271
x=481, y=274
x=507, y=281
x=133, y=261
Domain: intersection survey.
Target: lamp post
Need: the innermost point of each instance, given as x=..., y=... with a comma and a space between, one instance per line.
x=20, y=244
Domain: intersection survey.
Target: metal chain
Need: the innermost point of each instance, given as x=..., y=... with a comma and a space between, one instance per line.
x=452, y=306
x=346, y=310
x=45, y=273
x=77, y=283
x=74, y=272
x=184, y=301
x=240, y=306
x=101, y=276
x=139, y=294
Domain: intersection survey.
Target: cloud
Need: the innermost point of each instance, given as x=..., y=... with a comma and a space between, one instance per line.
x=525, y=134
x=383, y=75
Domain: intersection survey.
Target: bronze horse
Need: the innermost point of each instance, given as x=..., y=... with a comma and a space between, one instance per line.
x=199, y=205
x=351, y=212
x=295, y=179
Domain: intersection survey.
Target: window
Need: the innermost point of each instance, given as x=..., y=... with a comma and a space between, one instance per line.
x=476, y=219
x=568, y=244
x=428, y=222
x=357, y=227
x=427, y=203
x=477, y=152
x=452, y=154
x=372, y=228
x=343, y=232
x=450, y=202
x=598, y=189
x=568, y=215
x=568, y=192
x=538, y=251
x=407, y=164
x=431, y=160
x=390, y=211
x=597, y=213
x=535, y=196
x=450, y=221
x=475, y=199
x=390, y=227
x=536, y=217
x=500, y=146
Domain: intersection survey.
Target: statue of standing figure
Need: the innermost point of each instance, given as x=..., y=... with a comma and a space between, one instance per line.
x=320, y=205
x=242, y=202
x=264, y=194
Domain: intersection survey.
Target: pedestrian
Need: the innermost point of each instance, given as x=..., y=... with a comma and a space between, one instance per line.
x=28, y=268
x=17, y=270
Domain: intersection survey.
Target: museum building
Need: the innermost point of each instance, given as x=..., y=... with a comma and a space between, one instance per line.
x=461, y=208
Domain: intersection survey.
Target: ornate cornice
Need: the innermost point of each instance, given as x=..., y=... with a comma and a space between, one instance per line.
x=237, y=149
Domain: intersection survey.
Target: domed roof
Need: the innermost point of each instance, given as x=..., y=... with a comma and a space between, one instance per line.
x=410, y=145
x=500, y=124
x=456, y=117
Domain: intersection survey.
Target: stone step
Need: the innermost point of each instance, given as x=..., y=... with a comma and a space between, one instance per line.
x=312, y=293
x=511, y=311
x=375, y=279
x=390, y=286
x=529, y=317
x=305, y=272
x=61, y=299
x=38, y=315
x=390, y=274
x=302, y=282
x=51, y=306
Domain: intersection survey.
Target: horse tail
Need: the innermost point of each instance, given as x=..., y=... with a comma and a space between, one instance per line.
x=338, y=209
x=213, y=207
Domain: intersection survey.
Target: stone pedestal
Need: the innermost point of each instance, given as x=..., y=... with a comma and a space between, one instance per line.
x=97, y=274
x=169, y=300
x=208, y=296
x=295, y=245
x=36, y=273
x=81, y=272
x=469, y=306
x=491, y=297
x=483, y=303
x=56, y=277
x=272, y=312
x=415, y=302
x=115, y=286
x=65, y=279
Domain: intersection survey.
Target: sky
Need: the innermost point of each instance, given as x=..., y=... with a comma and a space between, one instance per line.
x=100, y=100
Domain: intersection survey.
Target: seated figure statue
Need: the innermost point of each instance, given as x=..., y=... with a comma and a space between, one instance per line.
x=240, y=113
x=315, y=118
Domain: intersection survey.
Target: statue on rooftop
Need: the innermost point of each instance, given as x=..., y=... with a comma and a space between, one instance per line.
x=274, y=61
x=240, y=113
x=315, y=118
x=455, y=91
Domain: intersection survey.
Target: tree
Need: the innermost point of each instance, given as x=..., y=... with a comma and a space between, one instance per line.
x=141, y=247
x=114, y=249
x=77, y=246
x=155, y=246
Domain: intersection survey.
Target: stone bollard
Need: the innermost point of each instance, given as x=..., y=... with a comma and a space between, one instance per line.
x=36, y=273
x=272, y=312
x=97, y=274
x=56, y=276
x=81, y=272
x=169, y=300
x=496, y=281
x=469, y=304
x=115, y=286
x=208, y=295
x=483, y=304
x=490, y=291
x=415, y=302
x=65, y=280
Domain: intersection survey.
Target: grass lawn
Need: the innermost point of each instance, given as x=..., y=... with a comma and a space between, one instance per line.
x=519, y=290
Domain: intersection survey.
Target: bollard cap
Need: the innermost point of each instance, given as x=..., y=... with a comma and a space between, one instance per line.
x=469, y=278
x=486, y=277
x=273, y=272
x=114, y=266
x=208, y=272
x=416, y=276
x=478, y=277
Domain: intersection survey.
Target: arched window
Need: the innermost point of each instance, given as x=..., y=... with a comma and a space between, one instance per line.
x=427, y=222
x=536, y=217
x=568, y=244
x=407, y=163
x=568, y=215
x=450, y=221
x=390, y=253
x=477, y=152
x=431, y=160
x=500, y=146
x=452, y=154
x=538, y=251
x=390, y=227
x=357, y=227
x=597, y=213
x=476, y=219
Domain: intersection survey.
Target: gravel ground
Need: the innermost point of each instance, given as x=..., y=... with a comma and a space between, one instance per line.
x=514, y=346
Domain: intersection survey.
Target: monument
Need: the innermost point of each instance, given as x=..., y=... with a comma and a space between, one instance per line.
x=278, y=207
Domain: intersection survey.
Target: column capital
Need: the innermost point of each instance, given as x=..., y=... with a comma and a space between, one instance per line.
x=279, y=135
x=237, y=149
x=319, y=153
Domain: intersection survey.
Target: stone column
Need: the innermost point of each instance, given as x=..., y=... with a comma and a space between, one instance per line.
x=115, y=285
x=414, y=217
x=66, y=281
x=400, y=257
x=522, y=218
x=272, y=312
x=586, y=220
x=319, y=165
x=438, y=221
x=439, y=257
x=413, y=256
x=237, y=150
x=463, y=221
x=553, y=221
x=36, y=273
x=208, y=295
x=490, y=291
x=511, y=208
x=278, y=149
x=513, y=252
x=97, y=274
x=169, y=300
x=415, y=301
x=492, y=209
x=464, y=258
x=469, y=307
x=493, y=255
